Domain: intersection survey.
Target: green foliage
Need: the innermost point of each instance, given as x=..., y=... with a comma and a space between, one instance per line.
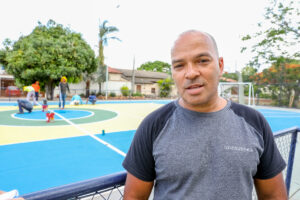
x=137, y=94
x=248, y=73
x=48, y=53
x=112, y=94
x=233, y=76
x=100, y=94
x=278, y=36
x=282, y=81
x=157, y=66
x=125, y=91
x=165, y=87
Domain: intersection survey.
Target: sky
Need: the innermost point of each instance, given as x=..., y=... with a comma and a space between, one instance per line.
x=147, y=29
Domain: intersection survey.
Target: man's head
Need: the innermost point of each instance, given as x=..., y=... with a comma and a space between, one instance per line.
x=37, y=82
x=196, y=69
x=63, y=79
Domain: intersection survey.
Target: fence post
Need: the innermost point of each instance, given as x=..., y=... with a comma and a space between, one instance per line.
x=291, y=160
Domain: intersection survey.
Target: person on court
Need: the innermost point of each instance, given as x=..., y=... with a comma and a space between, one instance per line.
x=76, y=100
x=36, y=87
x=30, y=94
x=24, y=104
x=202, y=146
x=63, y=87
x=92, y=98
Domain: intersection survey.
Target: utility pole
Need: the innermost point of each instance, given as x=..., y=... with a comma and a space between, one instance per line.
x=106, y=85
x=133, y=78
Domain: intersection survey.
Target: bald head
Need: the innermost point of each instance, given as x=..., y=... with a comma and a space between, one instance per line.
x=197, y=34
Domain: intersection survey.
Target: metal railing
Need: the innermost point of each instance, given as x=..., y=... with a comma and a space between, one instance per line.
x=111, y=186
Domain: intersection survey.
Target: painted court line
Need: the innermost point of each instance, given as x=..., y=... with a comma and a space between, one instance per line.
x=91, y=135
x=91, y=114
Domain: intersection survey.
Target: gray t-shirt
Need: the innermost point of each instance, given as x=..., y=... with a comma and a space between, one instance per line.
x=211, y=156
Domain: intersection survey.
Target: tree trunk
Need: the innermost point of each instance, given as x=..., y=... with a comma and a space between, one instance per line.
x=296, y=98
x=49, y=90
x=87, y=88
x=100, y=88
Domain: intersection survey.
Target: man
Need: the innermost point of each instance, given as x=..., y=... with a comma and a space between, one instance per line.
x=24, y=104
x=203, y=146
x=30, y=94
x=63, y=87
x=36, y=87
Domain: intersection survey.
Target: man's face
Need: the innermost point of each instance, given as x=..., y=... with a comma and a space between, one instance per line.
x=196, y=70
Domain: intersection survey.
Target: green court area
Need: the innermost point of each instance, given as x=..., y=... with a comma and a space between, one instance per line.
x=38, y=118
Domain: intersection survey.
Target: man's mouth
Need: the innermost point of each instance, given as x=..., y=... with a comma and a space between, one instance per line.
x=194, y=89
x=194, y=86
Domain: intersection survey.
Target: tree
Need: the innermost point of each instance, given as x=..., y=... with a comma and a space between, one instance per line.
x=290, y=87
x=248, y=73
x=48, y=53
x=156, y=66
x=104, y=35
x=277, y=41
x=278, y=35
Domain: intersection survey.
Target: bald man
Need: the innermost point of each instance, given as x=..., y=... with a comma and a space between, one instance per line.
x=202, y=146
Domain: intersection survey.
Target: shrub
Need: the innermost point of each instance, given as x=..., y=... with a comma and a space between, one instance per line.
x=125, y=91
x=164, y=87
x=137, y=94
x=100, y=94
x=112, y=94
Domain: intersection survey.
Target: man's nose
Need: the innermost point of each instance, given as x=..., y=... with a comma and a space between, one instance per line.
x=191, y=71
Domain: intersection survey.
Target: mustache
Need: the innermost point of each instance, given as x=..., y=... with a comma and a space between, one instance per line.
x=198, y=81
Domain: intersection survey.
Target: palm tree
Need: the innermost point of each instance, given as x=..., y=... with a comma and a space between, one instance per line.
x=104, y=32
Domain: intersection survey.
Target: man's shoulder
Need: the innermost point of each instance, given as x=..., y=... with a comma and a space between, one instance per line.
x=163, y=112
x=243, y=110
x=251, y=115
x=156, y=120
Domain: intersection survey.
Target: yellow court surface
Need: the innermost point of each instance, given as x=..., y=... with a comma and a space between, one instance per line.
x=127, y=116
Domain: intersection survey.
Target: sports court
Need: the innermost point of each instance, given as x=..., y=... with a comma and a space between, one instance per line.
x=84, y=141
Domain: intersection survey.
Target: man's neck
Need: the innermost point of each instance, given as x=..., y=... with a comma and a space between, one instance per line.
x=213, y=106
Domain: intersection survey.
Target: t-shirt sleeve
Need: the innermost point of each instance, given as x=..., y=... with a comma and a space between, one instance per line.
x=139, y=160
x=271, y=161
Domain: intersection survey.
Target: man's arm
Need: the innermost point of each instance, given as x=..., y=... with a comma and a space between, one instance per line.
x=136, y=189
x=20, y=198
x=273, y=188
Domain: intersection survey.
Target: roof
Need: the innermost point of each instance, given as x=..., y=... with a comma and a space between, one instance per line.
x=144, y=74
x=227, y=79
x=113, y=70
x=6, y=76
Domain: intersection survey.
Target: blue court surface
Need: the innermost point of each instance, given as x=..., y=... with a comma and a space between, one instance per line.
x=40, y=165
x=34, y=166
x=40, y=115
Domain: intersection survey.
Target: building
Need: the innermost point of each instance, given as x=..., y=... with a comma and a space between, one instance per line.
x=5, y=80
x=145, y=83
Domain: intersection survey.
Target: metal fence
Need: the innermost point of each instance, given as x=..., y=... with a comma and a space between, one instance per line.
x=111, y=186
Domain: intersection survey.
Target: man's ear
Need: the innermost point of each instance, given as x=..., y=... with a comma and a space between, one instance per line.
x=221, y=66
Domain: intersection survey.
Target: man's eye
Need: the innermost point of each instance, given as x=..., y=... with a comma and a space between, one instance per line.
x=177, y=66
x=203, y=61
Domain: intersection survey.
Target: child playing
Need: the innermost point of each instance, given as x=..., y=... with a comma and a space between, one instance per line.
x=92, y=98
